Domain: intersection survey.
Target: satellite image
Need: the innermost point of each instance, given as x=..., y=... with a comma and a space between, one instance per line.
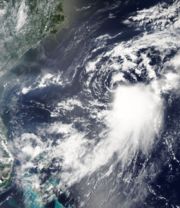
x=89, y=103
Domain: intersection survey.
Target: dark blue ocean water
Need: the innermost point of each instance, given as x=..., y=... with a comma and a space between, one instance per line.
x=67, y=54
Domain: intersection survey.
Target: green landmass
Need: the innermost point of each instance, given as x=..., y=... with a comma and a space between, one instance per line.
x=24, y=23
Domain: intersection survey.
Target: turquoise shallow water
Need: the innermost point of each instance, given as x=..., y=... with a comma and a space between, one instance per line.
x=32, y=199
x=55, y=102
x=32, y=203
x=58, y=205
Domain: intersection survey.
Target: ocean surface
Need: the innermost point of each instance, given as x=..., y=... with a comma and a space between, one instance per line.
x=91, y=114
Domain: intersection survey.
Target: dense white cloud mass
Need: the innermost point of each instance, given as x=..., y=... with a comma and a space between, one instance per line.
x=133, y=119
